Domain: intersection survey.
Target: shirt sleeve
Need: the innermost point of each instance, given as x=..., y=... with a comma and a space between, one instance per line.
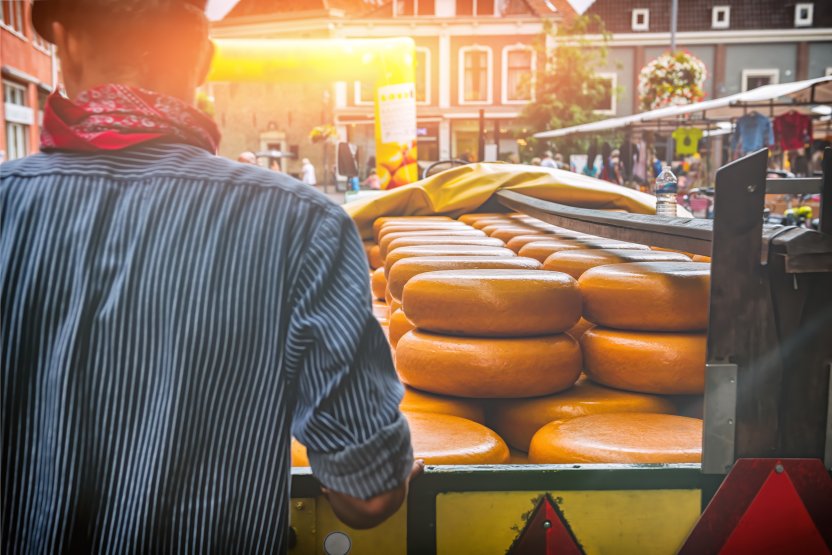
x=347, y=391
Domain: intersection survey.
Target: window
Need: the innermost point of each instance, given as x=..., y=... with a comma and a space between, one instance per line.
x=518, y=74
x=641, y=19
x=11, y=15
x=365, y=92
x=607, y=104
x=422, y=75
x=803, y=14
x=475, y=75
x=721, y=17
x=416, y=7
x=475, y=7
x=19, y=118
x=753, y=78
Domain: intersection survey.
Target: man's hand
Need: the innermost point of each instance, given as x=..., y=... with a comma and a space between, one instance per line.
x=367, y=513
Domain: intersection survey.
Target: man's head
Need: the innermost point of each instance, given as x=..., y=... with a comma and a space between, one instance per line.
x=547, y=154
x=160, y=45
x=247, y=157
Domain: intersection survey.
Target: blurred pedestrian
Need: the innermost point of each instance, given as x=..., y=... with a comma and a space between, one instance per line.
x=307, y=171
x=547, y=161
x=372, y=182
x=247, y=157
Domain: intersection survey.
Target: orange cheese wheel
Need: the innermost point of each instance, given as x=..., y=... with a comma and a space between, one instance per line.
x=442, y=250
x=648, y=296
x=378, y=283
x=517, y=420
x=394, y=306
x=487, y=367
x=379, y=222
x=403, y=270
x=471, y=218
x=299, y=455
x=576, y=262
x=510, y=233
x=701, y=258
x=650, y=362
x=441, y=240
x=493, y=303
x=578, y=330
x=422, y=401
x=519, y=241
x=626, y=438
x=424, y=226
x=446, y=439
x=374, y=258
x=543, y=249
x=485, y=222
x=399, y=325
x=385, y=241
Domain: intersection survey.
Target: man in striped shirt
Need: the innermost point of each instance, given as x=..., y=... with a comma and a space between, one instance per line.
x=168, y=318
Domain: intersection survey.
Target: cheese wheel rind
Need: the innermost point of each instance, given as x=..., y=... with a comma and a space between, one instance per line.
x=443, y=250
x=422, y=401
x=517, y=420
x=378, y=283
x=380, y=222
x=488, y=367
x=576, y=262
x=444, y=439
x=546, y=247
x=649, y=362
x=625, y=438
x=519, y=241
x=442, y=240
x=648, y=296
x=374, y=258
x=384, y=242
x=398, y=326
x=404, y=270
x=493, y=303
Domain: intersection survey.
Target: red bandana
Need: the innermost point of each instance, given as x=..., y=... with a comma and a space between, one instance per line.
x=115, y=117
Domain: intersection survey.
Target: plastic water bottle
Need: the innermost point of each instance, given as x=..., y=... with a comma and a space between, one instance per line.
x=666, y=187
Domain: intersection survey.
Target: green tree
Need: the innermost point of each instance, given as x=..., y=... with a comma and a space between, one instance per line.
x=567, y=89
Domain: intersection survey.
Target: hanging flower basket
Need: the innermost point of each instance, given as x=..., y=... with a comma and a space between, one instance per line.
x=672, y=80
x=323, y=134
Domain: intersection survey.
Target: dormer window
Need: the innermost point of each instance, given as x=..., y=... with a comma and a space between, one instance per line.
x=475, y=7
x=641, y=19
x=721, y=17
x=803, y=14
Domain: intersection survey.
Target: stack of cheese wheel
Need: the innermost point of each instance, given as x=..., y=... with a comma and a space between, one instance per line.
x=517, y=420
x=490, y=333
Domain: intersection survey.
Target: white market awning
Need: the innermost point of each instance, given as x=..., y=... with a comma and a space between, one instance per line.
x=772, y=100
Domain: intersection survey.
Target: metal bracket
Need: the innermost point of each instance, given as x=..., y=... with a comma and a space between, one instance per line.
x=718, y=434
x=827, y=455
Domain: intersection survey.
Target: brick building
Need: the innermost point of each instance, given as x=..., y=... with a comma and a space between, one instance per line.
x=29, y=71
x=471, y=55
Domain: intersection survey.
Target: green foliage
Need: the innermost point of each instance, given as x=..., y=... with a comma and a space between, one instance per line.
x=567, y=90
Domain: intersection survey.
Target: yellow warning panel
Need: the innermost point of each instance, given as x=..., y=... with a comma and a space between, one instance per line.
x=319, y=532
x=637, y=522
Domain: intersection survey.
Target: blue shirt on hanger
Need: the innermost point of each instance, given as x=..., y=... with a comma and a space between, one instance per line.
x=753, y=132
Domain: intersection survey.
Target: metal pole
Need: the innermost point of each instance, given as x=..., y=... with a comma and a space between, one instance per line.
x=674, y=12
x=481, y=136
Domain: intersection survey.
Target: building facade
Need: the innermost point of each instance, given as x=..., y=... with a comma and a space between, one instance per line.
x=471, y=55
x=29, y=71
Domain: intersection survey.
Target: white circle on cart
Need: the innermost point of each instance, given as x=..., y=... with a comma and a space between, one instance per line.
x=337, y=543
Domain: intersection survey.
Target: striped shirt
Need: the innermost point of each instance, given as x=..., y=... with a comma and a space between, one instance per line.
x=169, y=319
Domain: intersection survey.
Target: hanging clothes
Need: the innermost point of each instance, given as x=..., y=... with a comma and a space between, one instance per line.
x=793, y=130
x=687, y=140
x=628, y=153
x=753, y=132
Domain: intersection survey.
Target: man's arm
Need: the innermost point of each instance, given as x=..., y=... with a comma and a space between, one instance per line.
x=347, y=395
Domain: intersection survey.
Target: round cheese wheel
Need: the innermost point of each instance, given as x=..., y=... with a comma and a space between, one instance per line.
x=701, y=258
x=507, y=234
x=425, y=226
x=485, y=222
x=487, y=367
x=394, y=306
x=493, y=303
x=403, y=270
x=442, y=250
x=421, y=401
x=299, y=455
x=648, y=296
x=515, y=228
x=543, y=249
x=399, y=325
x=471, y=218
x=385, y=241
x=374, y=258
x=665, y=363
x=442, y=240
x=446, y=439
x=517, y=420
x=379, y=222
x=576, y=262
x=578, y=330
x=519, y=241
x=378, y=283
x=626, y=438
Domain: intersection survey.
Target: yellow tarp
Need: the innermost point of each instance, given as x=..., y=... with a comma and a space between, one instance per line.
x=463, y=189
